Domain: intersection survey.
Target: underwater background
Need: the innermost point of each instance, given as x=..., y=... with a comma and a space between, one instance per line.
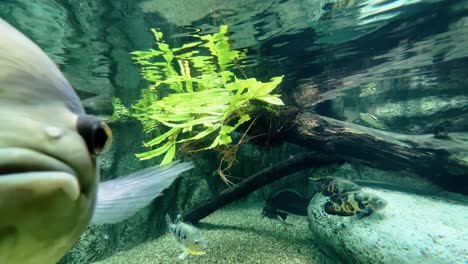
x=376, y=90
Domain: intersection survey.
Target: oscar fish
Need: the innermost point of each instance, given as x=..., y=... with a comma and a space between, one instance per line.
x=358, y=203
x=335, y=185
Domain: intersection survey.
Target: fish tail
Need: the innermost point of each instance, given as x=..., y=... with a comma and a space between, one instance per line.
x=283, y=215
x=120, y=198
x=169, y=221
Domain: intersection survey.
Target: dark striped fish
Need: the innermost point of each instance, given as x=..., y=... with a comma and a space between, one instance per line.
x=285, y=202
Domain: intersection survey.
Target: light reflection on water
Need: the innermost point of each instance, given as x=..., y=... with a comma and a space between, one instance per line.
x=359, y=57
x=390, y=59
x=395, y=60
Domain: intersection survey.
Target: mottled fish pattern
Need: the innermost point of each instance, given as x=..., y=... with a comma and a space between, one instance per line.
x=347, y=198
x=354, y=203
x=333, y=185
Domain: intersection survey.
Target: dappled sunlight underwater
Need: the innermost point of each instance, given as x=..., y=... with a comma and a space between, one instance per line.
x=208, y=131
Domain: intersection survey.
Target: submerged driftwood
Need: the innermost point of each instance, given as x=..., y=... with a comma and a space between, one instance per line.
x=257, y=180
x=445, y=162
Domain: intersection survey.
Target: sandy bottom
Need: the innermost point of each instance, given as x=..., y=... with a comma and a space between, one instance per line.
x=235, y=234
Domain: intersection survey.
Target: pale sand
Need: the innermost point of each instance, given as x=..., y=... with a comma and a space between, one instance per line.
x=235, y=234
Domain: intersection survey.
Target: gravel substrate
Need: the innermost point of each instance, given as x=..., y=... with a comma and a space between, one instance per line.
x=235, y=234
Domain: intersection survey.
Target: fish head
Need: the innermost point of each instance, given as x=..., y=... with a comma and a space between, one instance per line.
x=377, y=203
x=195, y=242
x=197, y=246
x=48, y=147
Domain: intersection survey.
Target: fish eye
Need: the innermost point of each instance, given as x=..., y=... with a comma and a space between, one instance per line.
x=96, y=133
x=197, y=242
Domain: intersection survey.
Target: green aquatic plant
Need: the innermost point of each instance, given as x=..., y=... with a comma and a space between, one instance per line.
x=120, y=111
x=195, y=94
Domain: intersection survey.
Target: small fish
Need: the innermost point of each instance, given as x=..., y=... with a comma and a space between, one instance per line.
x=354, y=203
x=372, y=121
x=49, y=172
x=285, y=202
x=335, y=185
x=189, y=237
x=368, y=89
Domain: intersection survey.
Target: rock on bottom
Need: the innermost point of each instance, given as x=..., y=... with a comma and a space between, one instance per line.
x=411, y=229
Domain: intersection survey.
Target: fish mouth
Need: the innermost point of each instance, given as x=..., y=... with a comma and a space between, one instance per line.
x=39, y=173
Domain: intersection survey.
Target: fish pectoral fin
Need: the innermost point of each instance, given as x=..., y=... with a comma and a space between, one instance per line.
x=121, y=198
x=364, y=212
x=196, y=253
x=282, y=214
x=183, y=255
x=283, y=217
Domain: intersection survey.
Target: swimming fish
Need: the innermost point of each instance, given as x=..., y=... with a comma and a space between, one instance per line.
x=283, y=202
x=372, y=121
x=189, y=237
x=49, y=180
x=335, y=185
x=368, y=89
x=354, y=203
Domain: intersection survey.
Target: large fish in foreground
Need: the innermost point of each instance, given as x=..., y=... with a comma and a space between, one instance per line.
x=49, y=179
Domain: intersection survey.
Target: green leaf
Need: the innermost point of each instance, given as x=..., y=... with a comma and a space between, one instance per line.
x=162, y=137
x=164, y=47
x=215, y=142
x=206, y=121
x=225, y=139
x=170, y=154
x=157, y=35
x=187, y=46
x=155, y=152
x=274, y=100
x=226, y=130
x=201, y=135
x=244, y=118
x=120, y=111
